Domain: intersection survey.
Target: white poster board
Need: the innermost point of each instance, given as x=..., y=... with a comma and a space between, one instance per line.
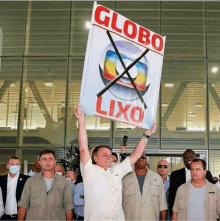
x=102, y=65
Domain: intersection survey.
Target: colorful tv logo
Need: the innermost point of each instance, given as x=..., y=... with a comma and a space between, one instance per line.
x=110, y=67
x=113, y=67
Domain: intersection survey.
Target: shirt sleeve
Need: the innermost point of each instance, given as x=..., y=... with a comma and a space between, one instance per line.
x=67, y=198
x=1, y=204
x=79, y=195
x=124, y=167
x=25, y=197
x=87, y=169
x=176, y=201
x=218, y=201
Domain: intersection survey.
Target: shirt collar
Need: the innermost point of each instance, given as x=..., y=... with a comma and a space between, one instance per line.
x=186, y=170
x=16, y=176
x=55, y=175
x=168, y=177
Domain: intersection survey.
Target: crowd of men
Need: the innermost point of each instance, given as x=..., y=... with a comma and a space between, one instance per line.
x=46, y=193
x=125, y=190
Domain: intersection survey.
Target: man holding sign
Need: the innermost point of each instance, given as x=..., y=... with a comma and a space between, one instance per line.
x=102, y=181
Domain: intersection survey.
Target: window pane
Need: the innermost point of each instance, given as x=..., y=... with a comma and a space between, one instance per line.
x=183, y=25
x=183, y=104
x=12, y=24
x=45, y=92
x=49, y=33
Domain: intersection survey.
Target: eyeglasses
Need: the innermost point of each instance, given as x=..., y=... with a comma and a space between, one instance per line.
x=143, y=158
x=162, y=166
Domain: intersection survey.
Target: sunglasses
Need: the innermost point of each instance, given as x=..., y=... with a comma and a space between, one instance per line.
x=162, y=166
x=143, y=158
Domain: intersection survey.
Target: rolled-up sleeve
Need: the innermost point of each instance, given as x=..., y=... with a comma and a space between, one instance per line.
x=25, y=197
x=67, y=198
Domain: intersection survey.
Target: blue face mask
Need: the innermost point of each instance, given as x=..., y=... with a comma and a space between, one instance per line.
x=15, y=169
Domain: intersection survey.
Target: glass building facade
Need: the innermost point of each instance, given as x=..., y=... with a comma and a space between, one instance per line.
x=42, y=48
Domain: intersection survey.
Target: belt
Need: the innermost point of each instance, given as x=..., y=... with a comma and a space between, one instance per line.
x=12, y=215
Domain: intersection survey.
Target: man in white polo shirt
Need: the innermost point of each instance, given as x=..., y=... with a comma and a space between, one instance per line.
x=102, y=181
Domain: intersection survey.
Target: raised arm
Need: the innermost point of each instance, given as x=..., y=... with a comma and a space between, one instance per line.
x=82, y=136
x=123, y=152
x=139, y=149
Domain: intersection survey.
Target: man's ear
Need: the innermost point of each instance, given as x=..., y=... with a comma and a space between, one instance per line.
x=95, y=158
x=7, y=166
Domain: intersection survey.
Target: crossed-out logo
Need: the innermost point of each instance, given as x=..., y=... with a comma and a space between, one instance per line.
x=110, y=67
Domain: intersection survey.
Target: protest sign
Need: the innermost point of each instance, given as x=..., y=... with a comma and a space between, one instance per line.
x=122, y=69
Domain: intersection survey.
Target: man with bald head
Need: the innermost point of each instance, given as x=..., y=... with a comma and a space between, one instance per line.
x=163, y=169
x=143, y=193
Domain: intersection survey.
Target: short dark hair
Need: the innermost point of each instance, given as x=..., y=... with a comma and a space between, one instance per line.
x=200, y=160
x=47, y=152
x=115, y=154
x=95, y=151
x=13, y=158
x=188, y=151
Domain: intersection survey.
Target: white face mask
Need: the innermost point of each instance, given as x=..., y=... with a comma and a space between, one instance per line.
x=68, y=179
x=60, y=173
x=14, y=169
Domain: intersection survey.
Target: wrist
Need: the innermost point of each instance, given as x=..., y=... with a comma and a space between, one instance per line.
x=148, y=132
x=146, y=136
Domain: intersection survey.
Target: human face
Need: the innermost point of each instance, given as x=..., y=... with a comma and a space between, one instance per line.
x=161, y=170
x=13, y=162
x=114, y=159
x=188, y=157
x=36, y=167
x=141, y=162
x=59, y=169
x=71, y=175
x=103, y=158
x=47, y=162
x=197, y=172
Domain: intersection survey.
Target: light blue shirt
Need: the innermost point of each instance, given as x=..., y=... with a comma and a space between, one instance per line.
x=166, y=185
x=79, y=201
x=31, y=173
x=73, y=186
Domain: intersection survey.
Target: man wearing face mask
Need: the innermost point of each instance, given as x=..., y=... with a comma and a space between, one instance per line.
x=59, y=170
x=12, y=186
x=181, y=176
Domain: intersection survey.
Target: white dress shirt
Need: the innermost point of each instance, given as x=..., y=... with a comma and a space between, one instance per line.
x=188, y=175
x=11, y=203
x=103, y=190
x=1, y=204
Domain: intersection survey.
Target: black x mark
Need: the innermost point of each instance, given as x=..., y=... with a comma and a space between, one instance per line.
x=126, y=69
